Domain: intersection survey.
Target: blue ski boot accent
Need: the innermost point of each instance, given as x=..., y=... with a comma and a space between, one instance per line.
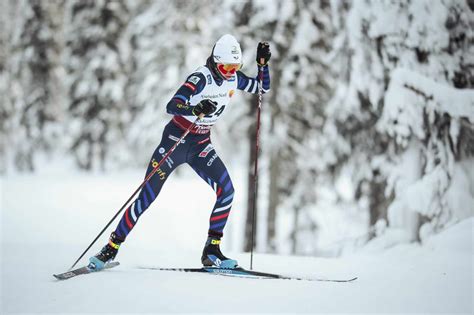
x=95, y=264
x=106, y=254
x=225, y=264
x=213, y=257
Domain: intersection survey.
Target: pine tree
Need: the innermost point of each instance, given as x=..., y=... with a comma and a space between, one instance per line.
x=33, y=60
x=6, y=107
x=242, y=16
x=432, y=39
x=349, y=138
x=160, y=61
x=98, y=111
x=299, y=33
x=305, y=86
x=439, y=115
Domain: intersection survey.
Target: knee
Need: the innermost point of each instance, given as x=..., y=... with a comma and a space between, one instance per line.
x=231, y=189
x=226, y=192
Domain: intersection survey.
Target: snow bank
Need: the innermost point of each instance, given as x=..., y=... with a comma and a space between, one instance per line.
x=458, y=238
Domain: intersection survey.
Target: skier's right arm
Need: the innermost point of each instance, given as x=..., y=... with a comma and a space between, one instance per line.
x=179, y=103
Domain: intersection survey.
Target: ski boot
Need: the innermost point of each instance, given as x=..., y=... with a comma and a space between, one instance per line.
x=106, y=254
x=213, y=257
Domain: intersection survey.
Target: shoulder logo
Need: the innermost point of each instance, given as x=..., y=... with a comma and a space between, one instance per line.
x=194, y=79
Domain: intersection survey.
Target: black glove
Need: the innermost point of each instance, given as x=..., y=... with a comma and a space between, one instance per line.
x=205, y=107
x=263, y=53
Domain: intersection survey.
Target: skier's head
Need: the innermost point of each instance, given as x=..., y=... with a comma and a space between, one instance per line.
x=226, y=57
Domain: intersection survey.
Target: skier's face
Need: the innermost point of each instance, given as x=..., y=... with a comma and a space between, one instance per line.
x=228, y=70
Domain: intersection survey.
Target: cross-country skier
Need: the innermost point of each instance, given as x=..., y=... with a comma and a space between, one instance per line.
x=206, y=91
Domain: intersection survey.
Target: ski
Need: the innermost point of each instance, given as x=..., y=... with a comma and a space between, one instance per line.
x=241, y=272
x=82, y=271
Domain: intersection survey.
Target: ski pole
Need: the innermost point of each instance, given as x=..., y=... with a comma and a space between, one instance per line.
x=257, y=146
x=141, y=185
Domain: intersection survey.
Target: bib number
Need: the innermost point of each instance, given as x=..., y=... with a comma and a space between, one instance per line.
x=218, y=113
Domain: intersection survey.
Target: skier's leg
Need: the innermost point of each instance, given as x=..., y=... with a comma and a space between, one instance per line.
x=147, y=194
x=211, y=168
x=213, y=171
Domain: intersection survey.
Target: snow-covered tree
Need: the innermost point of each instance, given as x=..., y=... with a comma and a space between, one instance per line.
x=98, y=112
x=309, y=82
x=33, y=107
x=410, y=144
x=299, y=33
x=434, y=125
x=369, y=115
x=5, y=104
x=165, y=48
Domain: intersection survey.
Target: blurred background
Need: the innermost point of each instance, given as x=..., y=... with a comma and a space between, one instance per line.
x=367, y=136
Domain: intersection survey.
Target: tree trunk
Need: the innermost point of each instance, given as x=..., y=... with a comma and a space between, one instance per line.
x=294, y=234
x=274, y=201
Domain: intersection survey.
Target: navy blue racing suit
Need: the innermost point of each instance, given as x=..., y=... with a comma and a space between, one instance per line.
x=196, y=149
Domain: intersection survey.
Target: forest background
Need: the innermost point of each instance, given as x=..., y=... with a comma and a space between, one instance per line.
x=367, y=133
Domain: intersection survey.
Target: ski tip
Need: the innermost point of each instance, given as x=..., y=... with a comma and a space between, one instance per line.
x=62, y=276
x=83, y=270
x=346, y=280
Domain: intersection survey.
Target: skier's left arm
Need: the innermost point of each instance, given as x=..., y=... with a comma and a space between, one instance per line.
x=252, y=85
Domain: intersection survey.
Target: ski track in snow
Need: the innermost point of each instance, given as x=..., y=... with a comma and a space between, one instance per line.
x=47, y=221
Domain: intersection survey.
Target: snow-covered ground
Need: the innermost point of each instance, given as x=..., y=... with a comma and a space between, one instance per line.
x=47, y=220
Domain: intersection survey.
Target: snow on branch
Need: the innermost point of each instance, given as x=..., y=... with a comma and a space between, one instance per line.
x=409, y=94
